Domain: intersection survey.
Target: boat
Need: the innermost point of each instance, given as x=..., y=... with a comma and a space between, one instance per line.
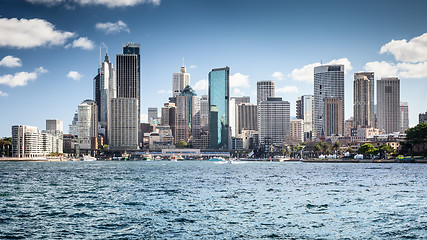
x=125, y=156
x=147, y=157
x=217, y=159
x=176, y=158
x=88, y=158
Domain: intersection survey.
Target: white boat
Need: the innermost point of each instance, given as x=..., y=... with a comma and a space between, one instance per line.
x=88, y=158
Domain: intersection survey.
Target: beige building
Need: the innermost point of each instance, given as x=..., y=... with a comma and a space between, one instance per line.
x=334, y=118
x=363, y=107
x=297, y=130
x=123, y=124
x=388, y=104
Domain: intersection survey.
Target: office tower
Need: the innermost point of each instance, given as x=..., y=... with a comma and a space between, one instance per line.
x=73, y=128
x=104, y=89
x=304, y=109
x=123, y=126
x=169, y=117
x=328, y=82
x=239, y=100
x=187, y=115
x=388, y=101
x=274, y=121
x=152, y=114
x=219, y=93
x=334, y=116
x=26, y=142
x=88, y=125
x=129, y=74
x=246, y=117
x=297, y=130
x=363, y=96
x=204, y=112
x=404, y=116
x=54, y=128
x=265, y=89
x=422, y=118
x=179, y=81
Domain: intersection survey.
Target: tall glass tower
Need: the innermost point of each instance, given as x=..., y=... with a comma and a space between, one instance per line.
x=219, y=93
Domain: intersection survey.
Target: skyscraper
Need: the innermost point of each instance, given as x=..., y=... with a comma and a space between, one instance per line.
x=388, y=104
x=180, y=80
x=123, y=126
x=246, y=117
x=296, y=132
x=363, y=108
x=305, y=111
x=404, y=116
x=54, y=128
x=334, y=118
x=204, y=112
x=129, y=74
x=88, y=125
x=152, y=114
x=187, y=115
x=274, y=121
x=265, y=89
x=104, y=90
x=328, y=82
x=218, y=108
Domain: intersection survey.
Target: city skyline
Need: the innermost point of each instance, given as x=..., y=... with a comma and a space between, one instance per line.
x=48, y=77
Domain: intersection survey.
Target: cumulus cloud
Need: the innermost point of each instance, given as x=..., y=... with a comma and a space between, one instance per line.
x=287, y=89
x=82, y=42
x=112, y=28
x=306, y=73
x=108, y=3
x=277, y=75
x=74, y=75
x=238, y=81
x=29, y=33
x=201, y=85
x=21, y=78
x=3, y=94
x=193, y=66
x=414, y=50
x=402, y=70
x=10, y=61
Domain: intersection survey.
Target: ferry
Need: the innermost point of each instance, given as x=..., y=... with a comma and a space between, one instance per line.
x=147, y=157
x=125, y=156
x=88, y=158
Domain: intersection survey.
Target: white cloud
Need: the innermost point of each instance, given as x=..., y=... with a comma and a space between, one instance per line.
x=82, y=42
x=239, y=80
x=74, y=75
x=21, y=78
x=161, y=91
x=112, y=28
x=401, y=70
x=306, y=73
x=10, y=61
x=414, y=50
x=277, y=75
x=287, y=89
x=201, y=85
x=3, y=94
x=193, y=66
x=29, y=33
x=108, y=3
x=144, y=118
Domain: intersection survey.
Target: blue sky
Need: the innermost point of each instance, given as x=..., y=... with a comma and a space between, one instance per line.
x=49, y=49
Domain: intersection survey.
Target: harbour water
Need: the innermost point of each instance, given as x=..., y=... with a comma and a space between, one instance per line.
x=207, y=200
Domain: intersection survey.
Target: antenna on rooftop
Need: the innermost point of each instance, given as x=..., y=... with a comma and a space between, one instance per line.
x=321, y=62
x=100, y=56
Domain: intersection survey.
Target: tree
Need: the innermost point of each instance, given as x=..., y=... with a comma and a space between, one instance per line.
x=181, y=144
x=336, y=146
x=388, y=149
x=322, y=147
x=416, y=138
x=367, y=149
x=350, y=150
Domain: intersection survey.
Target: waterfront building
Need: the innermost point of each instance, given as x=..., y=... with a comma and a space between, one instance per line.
x=104, y=89
x=404, y=116
x=328, y=82
x=236, y=143
x=129, y=74
x=296, y=133
x=219, y=93
x=123, y=125
x=187, y=115
x=304, y=108
x=363, y=98
x=179, y=81
x=334, y=116
x=152, y=114
x=250, y=139
x=54, y=128
x=73, y=127
x=26, y=142
x=422, y=118
x=87, y=125
x=274, y=121
x=265, y=89
x=204, y=112
x=246, y=116
x=388, y=101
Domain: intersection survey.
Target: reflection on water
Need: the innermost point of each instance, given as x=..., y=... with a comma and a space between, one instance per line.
x=187, y=200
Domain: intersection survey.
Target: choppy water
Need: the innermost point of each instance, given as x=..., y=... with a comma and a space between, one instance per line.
x=193, y=200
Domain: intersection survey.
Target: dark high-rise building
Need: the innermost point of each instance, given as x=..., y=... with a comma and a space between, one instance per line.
x=219, y=93
x=129, y=74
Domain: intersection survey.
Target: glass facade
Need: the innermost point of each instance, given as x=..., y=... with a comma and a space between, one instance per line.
x=218, y=108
